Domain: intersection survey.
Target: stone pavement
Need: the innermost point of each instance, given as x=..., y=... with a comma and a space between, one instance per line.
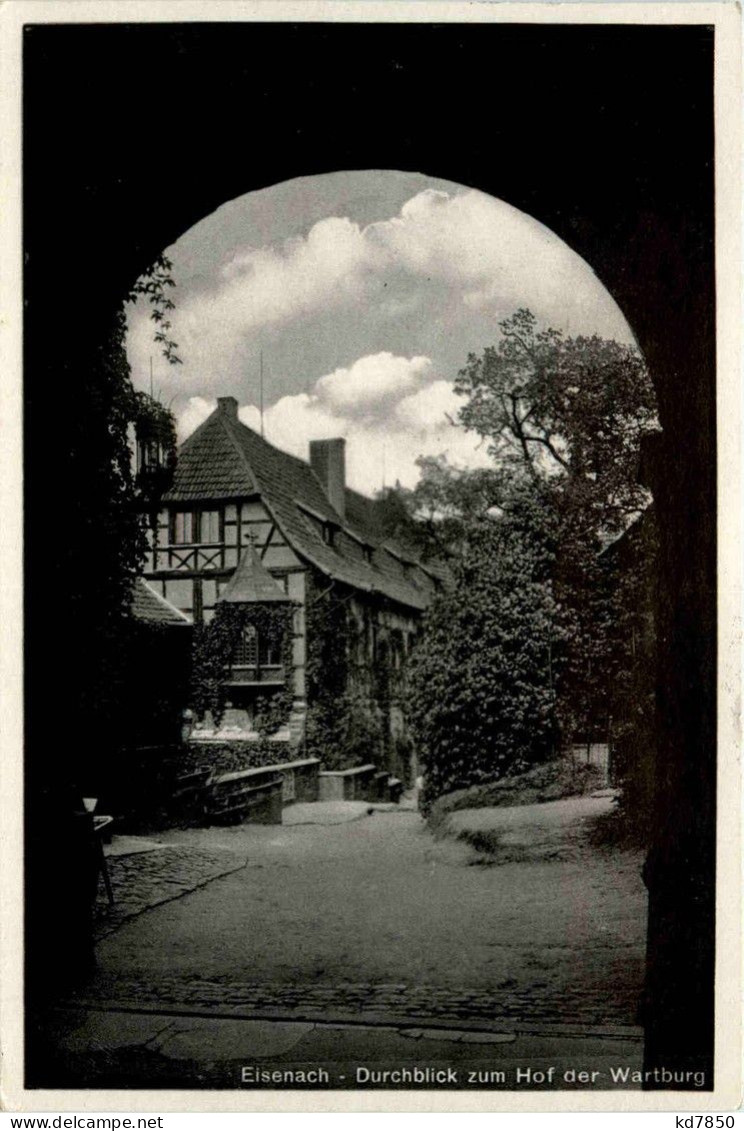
x=138, y=1049
x=146, y=872
x=367, y=1002
x=150, y=874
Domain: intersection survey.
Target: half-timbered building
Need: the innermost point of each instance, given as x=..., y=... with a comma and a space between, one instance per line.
x=244, y=521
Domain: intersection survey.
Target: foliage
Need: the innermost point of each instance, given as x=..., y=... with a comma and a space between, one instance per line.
x=401, y=758
x=432, y=517
x=481, y=681
x=109, y=521
x=569, y=411
x=344, y=733
x=214, y=647
x=563, y=419
x=273, y=711
x=154, y=425
x=154, y=285
x=344, y=727
x=240, y=754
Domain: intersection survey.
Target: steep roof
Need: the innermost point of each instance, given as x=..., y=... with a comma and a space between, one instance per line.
x=150, y=608
x=252, y=582
x=211, y=465
x=224, y=459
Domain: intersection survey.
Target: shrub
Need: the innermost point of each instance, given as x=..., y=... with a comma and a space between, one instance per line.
x=482, y=678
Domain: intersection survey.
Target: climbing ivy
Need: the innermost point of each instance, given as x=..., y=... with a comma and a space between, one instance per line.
x=346, y=718
x=214, y=647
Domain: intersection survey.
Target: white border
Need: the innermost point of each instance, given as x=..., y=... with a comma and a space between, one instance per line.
x=727, y=21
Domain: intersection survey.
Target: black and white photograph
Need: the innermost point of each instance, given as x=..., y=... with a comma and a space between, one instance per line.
x=373, y=370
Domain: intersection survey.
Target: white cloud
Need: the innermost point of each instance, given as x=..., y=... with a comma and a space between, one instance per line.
x=272, y=284
x=470, y=240
x=371, y=382
x=481, y=253
x=196, y=411
x=418, y=420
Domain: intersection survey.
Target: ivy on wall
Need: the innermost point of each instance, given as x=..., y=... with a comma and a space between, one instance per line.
x=225, y=757
x=347, y=724
x=214, y=647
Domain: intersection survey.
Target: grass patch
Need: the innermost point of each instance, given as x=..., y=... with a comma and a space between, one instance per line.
x=550, y=781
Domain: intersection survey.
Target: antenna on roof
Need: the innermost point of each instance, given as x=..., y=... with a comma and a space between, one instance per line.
x=260, y=391
x=151, y=377
x=383, y=467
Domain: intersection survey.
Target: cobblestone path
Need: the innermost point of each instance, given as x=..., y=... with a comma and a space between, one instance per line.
x=364, y=1002
x=146, y=879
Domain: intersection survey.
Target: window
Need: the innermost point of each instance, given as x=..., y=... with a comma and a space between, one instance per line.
x=149, y=455
x=268, y=654
x=246, y=650
x=209, y=526
x=251, y=651
x=183, y=527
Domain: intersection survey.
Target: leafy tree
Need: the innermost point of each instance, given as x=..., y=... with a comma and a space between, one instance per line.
x=565, y=411
x=563, y=419
x=566, y=415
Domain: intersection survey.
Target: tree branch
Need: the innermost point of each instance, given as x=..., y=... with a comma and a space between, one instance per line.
x=545, y=441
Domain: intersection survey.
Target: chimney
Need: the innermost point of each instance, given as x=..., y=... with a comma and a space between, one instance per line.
x=229, y=406
x=328, y=461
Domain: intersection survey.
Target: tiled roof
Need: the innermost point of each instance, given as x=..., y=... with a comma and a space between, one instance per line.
x=224, y=459
x=363, y=516
x=252, y=582
x=149, y=607
x=211, y=465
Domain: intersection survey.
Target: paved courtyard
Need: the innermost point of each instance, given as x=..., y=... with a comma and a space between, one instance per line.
x=372, y=918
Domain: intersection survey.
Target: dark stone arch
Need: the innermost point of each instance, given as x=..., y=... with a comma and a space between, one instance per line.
x=604, y=134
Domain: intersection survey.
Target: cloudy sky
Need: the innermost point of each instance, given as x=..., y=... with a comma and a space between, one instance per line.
x=364, y=292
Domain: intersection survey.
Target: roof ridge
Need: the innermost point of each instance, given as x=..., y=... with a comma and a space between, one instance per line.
x=298, y=461
x=267, y=443
x=188, y=442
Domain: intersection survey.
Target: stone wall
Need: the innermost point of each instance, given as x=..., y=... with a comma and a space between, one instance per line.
x=185, y=785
